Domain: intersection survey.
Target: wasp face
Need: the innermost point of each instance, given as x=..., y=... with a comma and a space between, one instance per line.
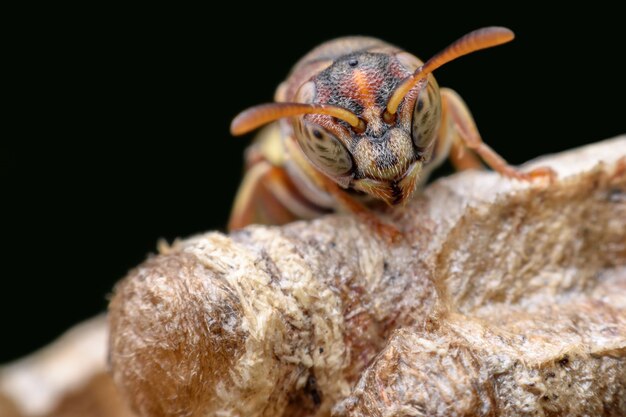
x=385, y=158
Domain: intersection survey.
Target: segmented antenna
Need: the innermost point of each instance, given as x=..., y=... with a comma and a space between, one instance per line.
x=472, y=42
x=257, y=116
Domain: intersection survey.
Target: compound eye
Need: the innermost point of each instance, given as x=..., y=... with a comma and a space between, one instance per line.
x=426, y=118
x=324, y=150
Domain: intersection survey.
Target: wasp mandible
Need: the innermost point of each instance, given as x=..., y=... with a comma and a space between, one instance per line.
x=360, y=121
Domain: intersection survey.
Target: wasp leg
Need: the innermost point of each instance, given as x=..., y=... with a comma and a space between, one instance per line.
x=462, y=158
x=267, y=196
x=449, y=144
x=466, y=136
x=255, y=203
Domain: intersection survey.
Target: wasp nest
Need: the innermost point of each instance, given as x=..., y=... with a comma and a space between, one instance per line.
x=503, y=299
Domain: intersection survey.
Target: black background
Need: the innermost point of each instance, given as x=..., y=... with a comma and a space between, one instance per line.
x=123, y=121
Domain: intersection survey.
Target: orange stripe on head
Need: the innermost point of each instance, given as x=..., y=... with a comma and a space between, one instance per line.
x=363, y=88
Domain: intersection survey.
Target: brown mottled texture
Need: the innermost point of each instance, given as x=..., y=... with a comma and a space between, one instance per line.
x=182, y=317
x=564, y=359
x=504, y=299
x=535, y=319
x=254, y=318
x=497, y=286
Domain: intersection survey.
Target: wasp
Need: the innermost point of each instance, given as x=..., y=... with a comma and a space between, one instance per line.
x=359, y=122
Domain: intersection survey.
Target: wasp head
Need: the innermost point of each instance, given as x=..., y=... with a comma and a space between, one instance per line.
x=381, y=156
